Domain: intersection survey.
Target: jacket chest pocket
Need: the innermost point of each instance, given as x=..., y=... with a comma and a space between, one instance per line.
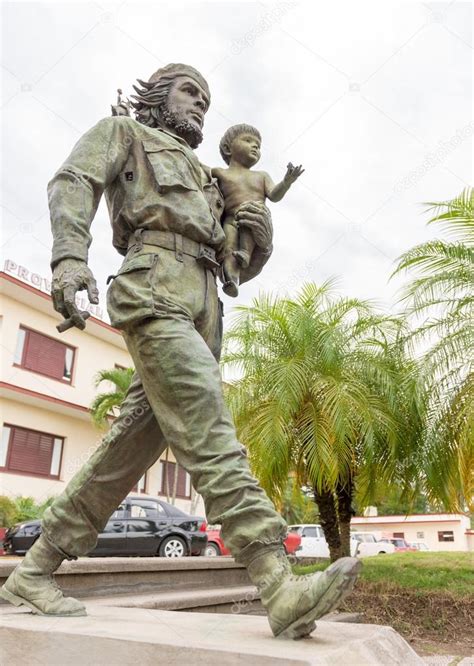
x=170, y=167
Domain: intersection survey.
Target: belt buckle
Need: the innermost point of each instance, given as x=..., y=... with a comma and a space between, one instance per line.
x=206, y=257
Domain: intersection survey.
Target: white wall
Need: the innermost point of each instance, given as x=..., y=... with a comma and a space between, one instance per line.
x=93, y=352
x=429, y=530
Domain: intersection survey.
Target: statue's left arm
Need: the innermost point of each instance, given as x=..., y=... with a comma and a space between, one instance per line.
x=256, y=217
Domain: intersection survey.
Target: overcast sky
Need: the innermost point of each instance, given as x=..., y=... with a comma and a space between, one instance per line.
x=373, y=98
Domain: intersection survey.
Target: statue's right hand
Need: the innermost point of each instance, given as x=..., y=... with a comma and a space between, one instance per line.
x=69, y=277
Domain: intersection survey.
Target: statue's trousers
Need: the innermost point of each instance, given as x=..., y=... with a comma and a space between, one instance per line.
x=169, y=312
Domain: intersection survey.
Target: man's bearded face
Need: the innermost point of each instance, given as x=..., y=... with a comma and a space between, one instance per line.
x=184, y=110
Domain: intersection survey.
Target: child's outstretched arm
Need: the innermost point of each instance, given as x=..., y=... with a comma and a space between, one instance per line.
x=277, y=192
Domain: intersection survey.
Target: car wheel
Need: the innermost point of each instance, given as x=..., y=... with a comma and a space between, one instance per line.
x=212, y=550
x=381, y=552
x=172, y=546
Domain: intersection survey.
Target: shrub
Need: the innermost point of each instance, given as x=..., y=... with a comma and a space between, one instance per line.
x=20, y=509
x=7, y=511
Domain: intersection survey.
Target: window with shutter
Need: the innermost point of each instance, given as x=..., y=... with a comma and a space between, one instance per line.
x=181, y=490
x=40, y=353
x=167, y=478
x=447, y=535
x=140, y=487
x=32, y=452
x=183, y=487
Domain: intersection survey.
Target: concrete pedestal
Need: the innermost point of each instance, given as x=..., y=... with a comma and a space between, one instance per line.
x=126, y=637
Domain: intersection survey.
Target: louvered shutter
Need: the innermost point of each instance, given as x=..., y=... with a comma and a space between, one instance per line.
x=44, y=355
x=30, y=452
x=167, y=479
x=181, y=490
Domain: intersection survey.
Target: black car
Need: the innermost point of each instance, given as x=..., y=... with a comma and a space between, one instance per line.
x=139, y=526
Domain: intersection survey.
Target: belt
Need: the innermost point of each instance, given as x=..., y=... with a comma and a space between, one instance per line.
x=177, y=243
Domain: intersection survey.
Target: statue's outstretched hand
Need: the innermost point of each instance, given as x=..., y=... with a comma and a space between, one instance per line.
x=254, y=215
x=69, y=277
x=292, y=173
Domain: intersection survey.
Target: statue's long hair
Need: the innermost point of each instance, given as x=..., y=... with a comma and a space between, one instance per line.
x=150, y=99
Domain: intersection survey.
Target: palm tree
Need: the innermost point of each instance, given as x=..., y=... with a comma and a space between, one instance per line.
x=105, y=403
x=319, y=397
x=439, y=302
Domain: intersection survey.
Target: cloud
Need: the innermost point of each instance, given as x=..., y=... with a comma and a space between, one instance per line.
x=358, y=93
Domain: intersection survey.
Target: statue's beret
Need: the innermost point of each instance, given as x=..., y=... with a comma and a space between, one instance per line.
x=178, y=69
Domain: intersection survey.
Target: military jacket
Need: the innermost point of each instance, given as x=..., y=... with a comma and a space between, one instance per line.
x=151, y=179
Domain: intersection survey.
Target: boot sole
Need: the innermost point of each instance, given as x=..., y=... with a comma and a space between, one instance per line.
x=343, y=581
x=19, y=601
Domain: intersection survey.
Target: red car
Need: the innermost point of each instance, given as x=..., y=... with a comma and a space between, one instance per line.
x=215, y=545
x=401, y=546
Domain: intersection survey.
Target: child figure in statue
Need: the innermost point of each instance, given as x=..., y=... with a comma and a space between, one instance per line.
x=240, y=149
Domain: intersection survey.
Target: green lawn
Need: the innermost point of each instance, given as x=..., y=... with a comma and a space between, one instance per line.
x=440, y=572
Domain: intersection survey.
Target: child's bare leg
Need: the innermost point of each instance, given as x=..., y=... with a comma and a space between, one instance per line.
x=246, y=248
x=230, y=265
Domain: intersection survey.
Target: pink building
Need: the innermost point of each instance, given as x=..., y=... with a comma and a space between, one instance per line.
x=46, y=387
x=439, y=531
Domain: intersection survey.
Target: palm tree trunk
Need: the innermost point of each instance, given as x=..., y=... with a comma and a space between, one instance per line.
x=329, y=522
x=345, y=512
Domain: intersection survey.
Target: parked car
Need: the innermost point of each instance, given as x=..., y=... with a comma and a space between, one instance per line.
x=401, y=546
x=419, y=545
x=139, y=526
x=3, y=531
x=368, y=545
x=19, y=538
x=314, y=544
x=215, y=545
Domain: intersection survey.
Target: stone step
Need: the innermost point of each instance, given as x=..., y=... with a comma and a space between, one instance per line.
x=238, y=599
x=243, y=600
x=89, y=577
x=130, y=636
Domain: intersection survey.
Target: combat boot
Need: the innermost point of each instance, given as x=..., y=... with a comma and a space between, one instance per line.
x=292, y=602
x=32, y=584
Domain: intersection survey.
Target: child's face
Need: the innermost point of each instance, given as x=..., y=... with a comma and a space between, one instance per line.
x=245, y=150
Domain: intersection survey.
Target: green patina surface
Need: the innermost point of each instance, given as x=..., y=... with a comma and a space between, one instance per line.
x=151, y=179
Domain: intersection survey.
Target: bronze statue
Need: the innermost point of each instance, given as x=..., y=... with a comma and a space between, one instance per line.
x=165, y=208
